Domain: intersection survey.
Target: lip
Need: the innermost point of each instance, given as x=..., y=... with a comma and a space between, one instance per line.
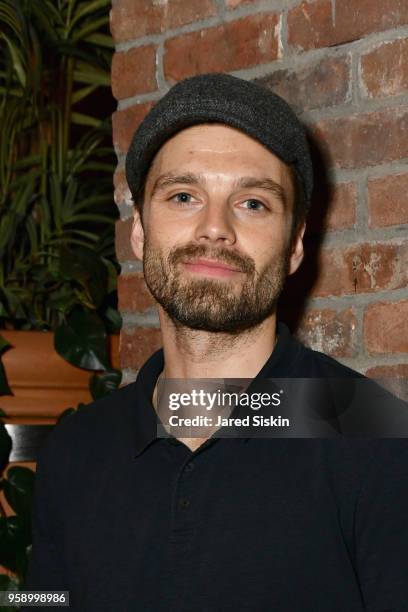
x=210, y=267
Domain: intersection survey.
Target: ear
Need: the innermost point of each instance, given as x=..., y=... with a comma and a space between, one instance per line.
x=297, y=251
x=137, y=235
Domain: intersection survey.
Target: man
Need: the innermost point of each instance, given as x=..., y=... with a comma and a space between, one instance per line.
x=128, y=520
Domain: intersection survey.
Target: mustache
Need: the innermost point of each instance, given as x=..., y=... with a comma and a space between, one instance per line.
x=232, y=258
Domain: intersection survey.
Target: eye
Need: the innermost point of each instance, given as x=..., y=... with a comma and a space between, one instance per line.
x=253, y=205
x=182, y=198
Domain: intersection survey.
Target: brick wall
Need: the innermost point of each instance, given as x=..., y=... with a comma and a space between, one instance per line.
x=343, y=65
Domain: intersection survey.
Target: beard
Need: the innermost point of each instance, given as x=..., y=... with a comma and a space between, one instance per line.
x=210, y=304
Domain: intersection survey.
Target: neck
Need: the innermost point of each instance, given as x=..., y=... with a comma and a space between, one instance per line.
x=199, y=354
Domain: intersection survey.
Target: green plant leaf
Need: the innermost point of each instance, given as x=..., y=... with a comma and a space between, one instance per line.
x=81, y=119
x=114, y=320
x=87, y=268
x=82, y=93
x=99, y=167
x=82, y=341
x=89, y=8
x=10, y=221
x=4, y=344
x=17, y=59
x=10, y=14
x=70, y=196
x=5, y=446
x=4, y=386
x=112, y=270
x=101, y=39
x=49, y=18
x=63, y=299
x=11, y=302
x=72, y=241
x=90, y=26
x=74, y=232
x=32, y=234
x=94, y=200
x=94, y=77
x=27, y=162
x=66, y=413
x=55, y=164
x=15, y=536
x=104, y=383
x=8, y=584
x=18, y=490
x=91, y=217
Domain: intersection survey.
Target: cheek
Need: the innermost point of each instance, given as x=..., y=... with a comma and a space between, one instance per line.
x=266, y=244
x=164, y=237
x=166, y=231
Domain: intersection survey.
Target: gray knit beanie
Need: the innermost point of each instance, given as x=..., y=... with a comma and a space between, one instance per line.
x=221, y=98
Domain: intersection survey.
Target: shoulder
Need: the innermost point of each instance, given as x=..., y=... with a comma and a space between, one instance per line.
x=98, y=414
x=356, y=405
x=320, y=364
x=92, y=427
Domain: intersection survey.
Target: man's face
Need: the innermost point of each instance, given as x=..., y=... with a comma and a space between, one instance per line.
x=216, y=235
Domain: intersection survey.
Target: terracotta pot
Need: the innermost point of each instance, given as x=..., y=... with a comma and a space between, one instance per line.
x=43, y=383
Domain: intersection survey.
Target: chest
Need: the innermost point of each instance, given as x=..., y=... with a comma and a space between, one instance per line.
x=189, y=519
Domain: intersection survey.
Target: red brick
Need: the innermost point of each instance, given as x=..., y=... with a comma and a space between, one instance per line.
x=385, y=327
x=387, y=200
x=319, y=84
x=384, y=70
x=317, y=24
x=341, y=213
x=122, y=193
x=131, y=19
x=237, y=44
x=122, y=240
x=392, y=377
x=134, y=72
x=364, y=140
x=333, y=208
x=348, y=270
x=329, y=331
x=231, y=4
x=362, y=268
x=399, y=370
x=137, y=346
x=134, y=295
x=124, y=124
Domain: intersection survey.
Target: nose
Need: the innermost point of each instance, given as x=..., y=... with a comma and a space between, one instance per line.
x=215, y=225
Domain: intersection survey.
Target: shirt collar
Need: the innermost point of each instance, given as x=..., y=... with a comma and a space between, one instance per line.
x=280, y=364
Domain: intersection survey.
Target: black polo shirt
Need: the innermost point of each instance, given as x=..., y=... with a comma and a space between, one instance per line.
x=129, y=522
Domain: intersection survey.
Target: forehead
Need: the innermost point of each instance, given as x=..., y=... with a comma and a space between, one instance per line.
x=217, y=146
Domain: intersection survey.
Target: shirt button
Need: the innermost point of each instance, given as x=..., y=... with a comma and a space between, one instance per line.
x=184, y=503
x=189, y=467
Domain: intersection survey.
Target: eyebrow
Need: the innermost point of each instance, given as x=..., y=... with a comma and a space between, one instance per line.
x=244, y=182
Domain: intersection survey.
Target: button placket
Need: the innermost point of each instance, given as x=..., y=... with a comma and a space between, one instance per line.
x=184, y=523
